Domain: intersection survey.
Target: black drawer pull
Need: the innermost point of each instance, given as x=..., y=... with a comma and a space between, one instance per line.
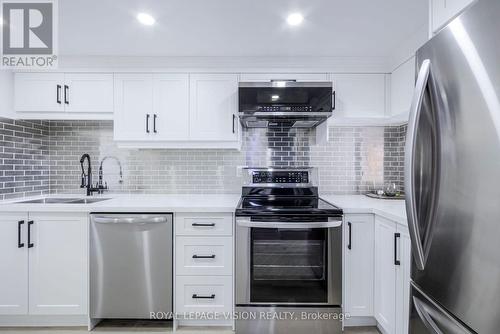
x=204, y=256
x=195, y=296
x=66, y=94
x=147, y=123
x=58, y=94
x=19, y=227
x=203, y=224
x=30, y=245
x=396, y=237
x=350, y=232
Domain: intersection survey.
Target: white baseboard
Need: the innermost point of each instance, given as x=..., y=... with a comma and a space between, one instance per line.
x=359, y=322
x=44, y=320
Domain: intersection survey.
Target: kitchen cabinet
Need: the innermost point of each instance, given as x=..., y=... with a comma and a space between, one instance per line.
x=359, y=264
x=63, y=95
x=265, y=77
x=443, y=11
x=133, y=94
x=359, y=95
x=48, y=273
x=402, y=89
x=214, y=107
x=151, y=107
x=165, y=110
x=392, y=276
x=14, y=260
x=204, y=265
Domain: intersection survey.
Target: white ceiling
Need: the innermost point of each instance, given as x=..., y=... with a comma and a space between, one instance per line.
x=364, y=28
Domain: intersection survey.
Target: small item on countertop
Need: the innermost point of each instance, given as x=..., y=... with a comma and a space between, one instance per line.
x=391, y=189
x=380, y=192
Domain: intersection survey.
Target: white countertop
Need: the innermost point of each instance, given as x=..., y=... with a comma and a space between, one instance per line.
x=391, y=209
x=132, y=203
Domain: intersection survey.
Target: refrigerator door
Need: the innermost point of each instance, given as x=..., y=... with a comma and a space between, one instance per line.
x=459, y=230
x=427, y=317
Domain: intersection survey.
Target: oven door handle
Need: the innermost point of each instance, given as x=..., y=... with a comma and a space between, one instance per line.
x=332, y=222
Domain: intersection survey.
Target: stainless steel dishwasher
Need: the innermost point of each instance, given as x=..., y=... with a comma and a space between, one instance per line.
x=130, y=265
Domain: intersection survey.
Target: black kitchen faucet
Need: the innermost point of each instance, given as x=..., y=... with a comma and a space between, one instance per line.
x=87, y=183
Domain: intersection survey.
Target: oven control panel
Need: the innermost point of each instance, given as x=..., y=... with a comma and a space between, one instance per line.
x=280, y=177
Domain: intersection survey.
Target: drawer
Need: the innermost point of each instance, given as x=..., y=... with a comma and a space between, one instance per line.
x=203, y=294
x=204, y=255
x=204, y=224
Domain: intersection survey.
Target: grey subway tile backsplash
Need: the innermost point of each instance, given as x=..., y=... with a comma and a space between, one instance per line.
x=42, y=157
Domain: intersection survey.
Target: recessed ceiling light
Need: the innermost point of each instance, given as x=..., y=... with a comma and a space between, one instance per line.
x=146, y=19
x=295, y=19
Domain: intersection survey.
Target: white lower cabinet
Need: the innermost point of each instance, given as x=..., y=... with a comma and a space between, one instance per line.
x=392, y=276
x=46, y=257
x=203, y=267
x=359, y=266
x=14, y=263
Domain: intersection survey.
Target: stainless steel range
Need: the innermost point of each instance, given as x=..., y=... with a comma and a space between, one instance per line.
x=288, y=255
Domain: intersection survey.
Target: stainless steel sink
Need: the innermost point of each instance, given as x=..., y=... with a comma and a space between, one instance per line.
x=63, y=200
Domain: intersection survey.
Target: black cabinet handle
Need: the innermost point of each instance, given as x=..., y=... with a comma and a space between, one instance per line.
x=334, y=98
x=233, y=122
x=204, y=256
x=66, y=94
x=396, y=261
x=147, y=123
x=195, y=296
x=19, y=228
x=349, y=225
x=30, y=245
x=203, y=224
x=58, y=94
x=154, y=123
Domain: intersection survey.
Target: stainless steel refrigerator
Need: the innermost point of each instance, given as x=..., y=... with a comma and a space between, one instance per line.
x=452, y=171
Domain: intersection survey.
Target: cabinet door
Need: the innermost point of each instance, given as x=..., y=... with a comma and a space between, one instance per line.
x=359, y=264
x=133, y=117
x=214, y=107
x=385, y=274
x=259, y=77
x=39, y=92
x=14, y=263
x=403, y=275
x=402, y=88
x=359, y=95
x=88, y=92
x=58, y=264
x=171, y=106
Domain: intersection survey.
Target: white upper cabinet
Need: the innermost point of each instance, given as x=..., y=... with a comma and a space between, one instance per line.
x=359, y=264
x=402, y=89
x=359, y=95
x=260, y=77
x=171, y=106
x=214, y=107
x=64, y=95
x=88, y=92
x=39, y=92
x=443, y=11
x=14, y=260
x=133, y=95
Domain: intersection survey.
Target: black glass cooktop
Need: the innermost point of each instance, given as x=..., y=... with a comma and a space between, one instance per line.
x=285, y=205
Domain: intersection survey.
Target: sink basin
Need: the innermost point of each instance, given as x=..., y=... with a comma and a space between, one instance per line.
x=88, y=200
x=62, y=200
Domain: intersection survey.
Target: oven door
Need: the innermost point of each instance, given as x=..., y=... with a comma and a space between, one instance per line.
x=288, y=263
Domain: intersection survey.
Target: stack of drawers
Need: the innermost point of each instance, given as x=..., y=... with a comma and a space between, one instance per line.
x=203, y=263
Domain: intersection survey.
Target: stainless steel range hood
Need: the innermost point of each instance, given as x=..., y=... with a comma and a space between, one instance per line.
x=285, y=104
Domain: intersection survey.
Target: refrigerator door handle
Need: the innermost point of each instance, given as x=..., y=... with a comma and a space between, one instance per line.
x=416, y=107
x=435, y=319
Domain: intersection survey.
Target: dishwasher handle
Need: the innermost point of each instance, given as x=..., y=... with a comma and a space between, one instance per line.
x=130, y=220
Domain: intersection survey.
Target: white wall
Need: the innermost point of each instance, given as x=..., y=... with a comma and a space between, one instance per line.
x=7, y=94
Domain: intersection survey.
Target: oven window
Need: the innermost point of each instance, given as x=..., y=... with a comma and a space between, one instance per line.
x=289, y=266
